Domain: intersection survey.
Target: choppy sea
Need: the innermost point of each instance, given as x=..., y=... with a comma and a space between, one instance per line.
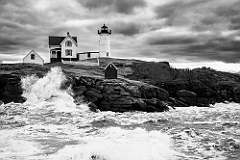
x=49, y=126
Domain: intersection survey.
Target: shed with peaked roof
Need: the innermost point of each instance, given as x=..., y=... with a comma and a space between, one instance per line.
x=33, y=57
x=111, y=71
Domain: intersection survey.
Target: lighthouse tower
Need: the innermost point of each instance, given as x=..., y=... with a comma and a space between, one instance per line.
x=104, y=42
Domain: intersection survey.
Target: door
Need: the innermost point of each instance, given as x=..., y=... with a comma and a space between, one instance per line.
x=59, y=56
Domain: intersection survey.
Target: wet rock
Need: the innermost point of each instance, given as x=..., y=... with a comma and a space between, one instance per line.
x=202, y=102
x=94, y=93
x=79, y=90
x=93, y=107
x=177, y=103
x=10, y=89
x=80, y=100
x=158, y=105
x=187, y=97
x=236, y=93
x=121, y=95
x=152, y=91
x=134, y=90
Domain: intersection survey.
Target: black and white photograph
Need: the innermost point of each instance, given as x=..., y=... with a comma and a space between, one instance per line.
x=119, y=79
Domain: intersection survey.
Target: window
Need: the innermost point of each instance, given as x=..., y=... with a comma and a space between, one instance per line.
x=89, y=55
x=107, y=54
x=32, y=56
x=68, y=52
x=68, y=43
x=54, y=54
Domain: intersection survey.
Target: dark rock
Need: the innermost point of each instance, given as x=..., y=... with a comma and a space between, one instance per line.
x=81, y=99
x=11, y=90
x=187, y=97
x=185, y=93
x=158, y=105
x=173, y=86
x=202, y=102
x=161, y=106
x=177, y=103
x=105, y=105
x=236, y=92
x=162, y=94
x=154, y=92
x=79, y=90
x=94, y=92
x=140, y=105
x=151, y=102
x=134, y=90
x=120, y=95
x=93, y=107
x=91, y=98
x=111, y=97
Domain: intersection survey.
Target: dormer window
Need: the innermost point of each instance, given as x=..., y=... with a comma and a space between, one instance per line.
x=32, y=56
x=68, y=43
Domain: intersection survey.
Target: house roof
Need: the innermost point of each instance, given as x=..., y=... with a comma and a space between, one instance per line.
x=56, y=40
x=111, y=64
x=32, y=51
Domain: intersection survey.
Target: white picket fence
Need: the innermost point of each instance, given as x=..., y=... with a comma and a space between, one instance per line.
x=81, y=63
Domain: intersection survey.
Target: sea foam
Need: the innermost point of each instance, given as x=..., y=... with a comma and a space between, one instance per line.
x=46, y=92
x=115, y=143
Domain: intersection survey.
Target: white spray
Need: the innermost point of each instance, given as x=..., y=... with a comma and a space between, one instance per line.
x=46, y=92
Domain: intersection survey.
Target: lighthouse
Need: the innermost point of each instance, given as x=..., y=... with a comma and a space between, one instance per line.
x=104, y=41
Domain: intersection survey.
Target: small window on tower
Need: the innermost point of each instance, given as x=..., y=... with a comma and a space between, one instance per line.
x=68, y=43
x=68, y=52
x=32, y=56
x=107, y=54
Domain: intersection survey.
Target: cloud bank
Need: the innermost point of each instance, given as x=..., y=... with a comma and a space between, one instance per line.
x=173, y=30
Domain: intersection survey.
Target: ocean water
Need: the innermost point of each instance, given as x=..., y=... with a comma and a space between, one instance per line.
x=49, y=126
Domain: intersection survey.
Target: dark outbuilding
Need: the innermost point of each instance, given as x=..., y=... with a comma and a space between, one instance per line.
x=111, y=71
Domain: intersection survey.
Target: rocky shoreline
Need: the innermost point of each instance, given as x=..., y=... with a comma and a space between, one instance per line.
x=122, y=95
x=119, y=95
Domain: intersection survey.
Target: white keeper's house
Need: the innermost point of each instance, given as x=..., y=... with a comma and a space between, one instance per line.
x=33, y=57
x=64, y=48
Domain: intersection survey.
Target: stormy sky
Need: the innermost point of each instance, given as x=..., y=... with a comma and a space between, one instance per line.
x=184, y=32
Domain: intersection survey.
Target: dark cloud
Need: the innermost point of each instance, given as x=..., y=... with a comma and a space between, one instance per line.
x=230, y=45
x=126, y=28
x=195, y=48
x=174, y=11
x=9, y=24
x=230, y=13
x=229, y=10
x=119, y=6
x=211, y=20
x=221, y=49
x=235, y=23
x=170, y=40
x=179, y=29
x=168, y=10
